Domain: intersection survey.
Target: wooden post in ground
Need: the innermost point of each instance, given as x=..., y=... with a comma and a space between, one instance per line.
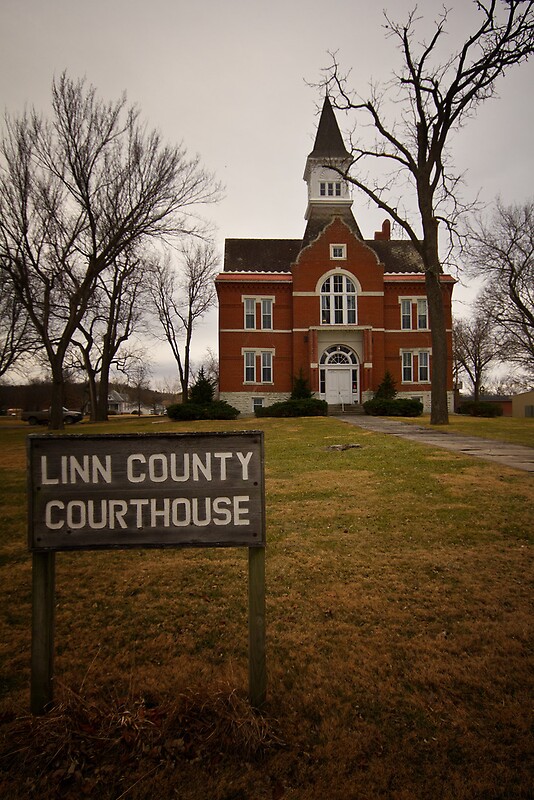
x=257, y=669
x=43, y=608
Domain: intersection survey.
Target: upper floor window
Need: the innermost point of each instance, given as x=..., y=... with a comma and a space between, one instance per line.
x=338, y=251
x=330, y=189
x=266, y=314
x=250, y=313
x=406, y=315
x=338, y=301
x=422, y=313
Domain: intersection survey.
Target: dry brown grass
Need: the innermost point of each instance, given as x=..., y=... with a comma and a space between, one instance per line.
x=399, y=609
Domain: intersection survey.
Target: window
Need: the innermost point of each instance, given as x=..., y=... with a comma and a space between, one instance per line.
x=250, y=313
x=266, y=314
x=406, y=315
x=338, y=251
x=338, y=301
x=250, y=367
x=266, y=367
x=423, y=367
x=257, y=402
x=407, y=367
x=422, y=313
x=330, y=189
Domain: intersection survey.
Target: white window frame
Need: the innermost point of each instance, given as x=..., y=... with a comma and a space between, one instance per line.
x=249, y=362
x=341, y=255
x=406, y=313
x=422, y=314
x=407, y=366
x=249, y=304
x=257, y=402
x=339, y=304
x=423, y=356
x=266, y=313
x=266, y=366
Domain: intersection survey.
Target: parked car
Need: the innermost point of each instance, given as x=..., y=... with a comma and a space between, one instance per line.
x=43, y=417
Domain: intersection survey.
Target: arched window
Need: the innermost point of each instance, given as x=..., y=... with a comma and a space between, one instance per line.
x=338, y=354
x=338, y=301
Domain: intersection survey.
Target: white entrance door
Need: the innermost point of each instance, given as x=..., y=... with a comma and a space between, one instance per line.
x=338, y=385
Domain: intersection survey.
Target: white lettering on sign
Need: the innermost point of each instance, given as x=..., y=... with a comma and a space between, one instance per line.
x=89, y=469
x=161, y=467
x=165, y=512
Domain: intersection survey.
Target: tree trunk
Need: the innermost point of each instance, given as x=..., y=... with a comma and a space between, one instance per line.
x=57, y=400
x=101, y=414
x=439, y=412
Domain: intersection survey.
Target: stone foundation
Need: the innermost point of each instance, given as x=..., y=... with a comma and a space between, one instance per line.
x=243, y=401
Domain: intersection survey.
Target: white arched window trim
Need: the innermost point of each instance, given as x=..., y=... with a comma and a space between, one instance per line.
x=338, y=290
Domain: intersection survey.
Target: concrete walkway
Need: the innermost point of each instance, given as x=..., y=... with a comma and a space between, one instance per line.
x=511, y=455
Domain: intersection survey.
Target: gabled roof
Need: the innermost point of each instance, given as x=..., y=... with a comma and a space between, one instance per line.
x=277, y=255
x=260, y=255
x=328, y=140
x=321, y=216
x=397, y=255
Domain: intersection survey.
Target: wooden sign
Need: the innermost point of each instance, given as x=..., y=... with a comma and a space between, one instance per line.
x=143, y=490
x=169, y=490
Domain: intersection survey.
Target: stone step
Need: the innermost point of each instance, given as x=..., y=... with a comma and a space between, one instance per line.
x=346, y=410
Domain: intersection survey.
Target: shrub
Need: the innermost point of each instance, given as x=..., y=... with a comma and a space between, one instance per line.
x=311, y=407
x=399, y=407
x=202, y=390
x=218, y=409
x=480, y=409
x=301, y=390
x=386, y=390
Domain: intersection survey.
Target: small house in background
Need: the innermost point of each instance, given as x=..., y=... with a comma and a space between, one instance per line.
x=523, y=404
x=117, y=404
x=333, y=307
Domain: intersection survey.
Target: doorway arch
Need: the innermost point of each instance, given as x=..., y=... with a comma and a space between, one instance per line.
x=339, y=375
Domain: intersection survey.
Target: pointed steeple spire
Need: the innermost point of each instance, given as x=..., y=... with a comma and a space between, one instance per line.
x=328, y=192
x=328, y=139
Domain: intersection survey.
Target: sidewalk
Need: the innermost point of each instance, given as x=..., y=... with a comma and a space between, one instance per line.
x=511, y=455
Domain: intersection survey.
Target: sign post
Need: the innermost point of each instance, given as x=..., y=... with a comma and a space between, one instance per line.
x=143, y=490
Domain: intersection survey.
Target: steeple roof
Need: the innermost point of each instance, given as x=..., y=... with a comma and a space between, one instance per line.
x=328, y=140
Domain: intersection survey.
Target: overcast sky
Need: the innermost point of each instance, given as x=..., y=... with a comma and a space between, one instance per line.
x=230, y=78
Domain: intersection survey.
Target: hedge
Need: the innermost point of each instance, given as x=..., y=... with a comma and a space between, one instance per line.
x=400, y=407
x=218, y=409
x=480, y=409
x=311, y=407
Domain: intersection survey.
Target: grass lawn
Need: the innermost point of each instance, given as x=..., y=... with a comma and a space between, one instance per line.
x=506, y=429
x=399, y=611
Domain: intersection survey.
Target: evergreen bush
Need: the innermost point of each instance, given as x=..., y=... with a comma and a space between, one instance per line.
x=301, y=390
x=311, y=407
x=480, y=409
x=387, y=389
x=398, y=407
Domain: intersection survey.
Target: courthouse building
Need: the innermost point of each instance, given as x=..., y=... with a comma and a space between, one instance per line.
x=332, y=306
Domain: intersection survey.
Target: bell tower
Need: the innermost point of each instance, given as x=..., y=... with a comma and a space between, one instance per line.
x=328, y=192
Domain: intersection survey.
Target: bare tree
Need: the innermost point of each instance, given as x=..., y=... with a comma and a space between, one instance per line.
x=76, y=193
x=431, y=100
x=17, y=338
x=182, y=298
x=475, y=347
x=114, y=313
x=501, y=252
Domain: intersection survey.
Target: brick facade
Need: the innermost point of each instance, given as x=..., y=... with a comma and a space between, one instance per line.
x=334, y=307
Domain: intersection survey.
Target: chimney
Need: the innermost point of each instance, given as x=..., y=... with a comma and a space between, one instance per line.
x=385, y=233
